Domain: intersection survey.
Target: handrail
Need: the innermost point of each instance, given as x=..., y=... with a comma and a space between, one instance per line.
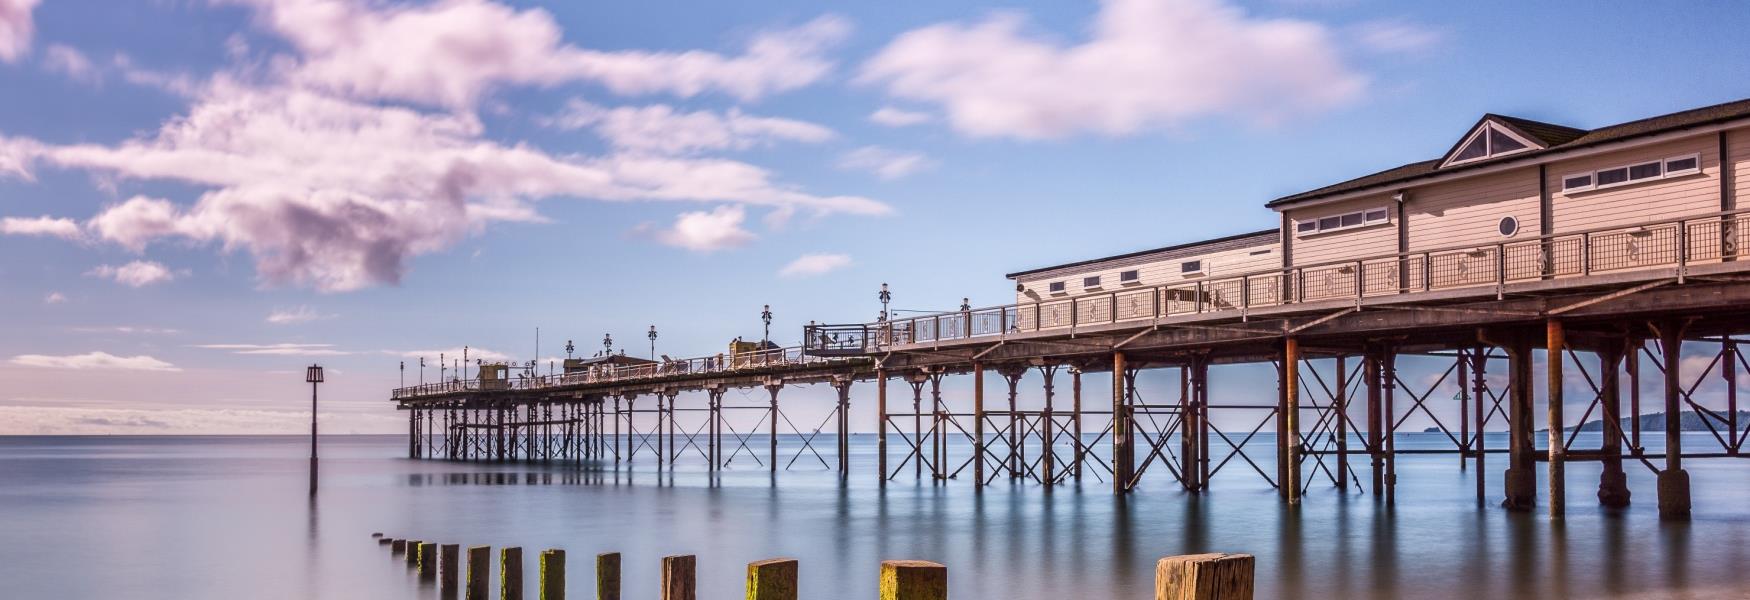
x=720, y=363
x=1679, y=242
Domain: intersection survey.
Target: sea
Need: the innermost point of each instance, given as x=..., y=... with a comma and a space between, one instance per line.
x=232, y=517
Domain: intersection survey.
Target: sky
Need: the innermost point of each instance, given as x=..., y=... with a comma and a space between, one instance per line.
x=199, y=198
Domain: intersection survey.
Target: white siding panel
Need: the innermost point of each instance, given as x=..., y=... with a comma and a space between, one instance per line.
x=1637, y=202
x=1469, y=211
x=1347, y=244
x=1216, y=265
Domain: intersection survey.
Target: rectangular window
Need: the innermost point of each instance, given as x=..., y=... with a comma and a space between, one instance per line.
x=1056, y=287
x=1090, y=282
x=1612, y=176
x=1191, y=267
x=1682, y=165
x=1129, y=277
x=1576, y=183
x=1642, y=171
x=1360, y=218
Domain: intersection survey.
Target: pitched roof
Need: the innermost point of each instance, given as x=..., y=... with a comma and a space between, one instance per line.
x=1232, y=242
x=1556, y=138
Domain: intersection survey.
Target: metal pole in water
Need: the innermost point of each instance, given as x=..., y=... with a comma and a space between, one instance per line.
x=313, y=375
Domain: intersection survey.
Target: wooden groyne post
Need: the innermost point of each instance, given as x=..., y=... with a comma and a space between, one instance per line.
x=678, y=577
x=510, y=573
x=772, y=579
x=428, y=560
x=607, y=576
x=449, y=569
x=479, y=572
x=1204, y=577
x=913, y=580
x=552, y=574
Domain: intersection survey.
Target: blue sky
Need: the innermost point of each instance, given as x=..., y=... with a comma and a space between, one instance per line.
x=212, y=194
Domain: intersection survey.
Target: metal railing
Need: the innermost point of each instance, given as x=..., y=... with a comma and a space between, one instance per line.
x=704, y=365
x=1676, y=243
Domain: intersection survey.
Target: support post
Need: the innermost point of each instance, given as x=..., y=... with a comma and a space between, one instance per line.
x=913, y=580
x=772, y=579
x=1291, y=418
x=678, y=581
x=1048, y=453
x=1479, y=388
x=772, y=450
x=553, y=574
x=1075, y=387
x=938, y=426
x=881, y=423
x=843, y=387
x=1121, y=464
x=1388, y=374
x=479, y=572
x=1204, y=577
x=1340, y=407
x=607, y=576
x=1612, y=482
x=1521, y=484
x=1673, y=480
x=1729, y=372
x=1555, y=342
x=977, y=423
x=510, y=573
x=1375, y=441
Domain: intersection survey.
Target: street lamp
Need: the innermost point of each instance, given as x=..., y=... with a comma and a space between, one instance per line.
x=608, y=343
x=766, y=317
x=569, y=349
x=313, y=376
x=422, y=371
x=652, y=342
x=965, y=305
x=886, y=297
x=404, y=373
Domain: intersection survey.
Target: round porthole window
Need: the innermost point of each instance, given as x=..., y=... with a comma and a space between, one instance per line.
x=1509, y=226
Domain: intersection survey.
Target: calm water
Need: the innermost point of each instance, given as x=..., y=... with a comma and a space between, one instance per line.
x=228, y=517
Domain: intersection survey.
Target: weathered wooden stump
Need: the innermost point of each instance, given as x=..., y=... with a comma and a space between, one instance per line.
x=449, y=569
x=377, y=534
x=397, y=547
x=1204, y=577
x=772, y=579
x=479, y=572
x=552, y=574
x=913, y=580
x=607, y=576
x=427, y=560
x=510, y=573
x=678, y=578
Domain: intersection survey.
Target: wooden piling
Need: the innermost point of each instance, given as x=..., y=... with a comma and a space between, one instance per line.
x=1121, y=467
x=552, y=574
x=383, y=541
x=607, y=576
x=1555, y=341
x=479, y=572
x=678, y=578
x=977, y=436
x=510, y=573
x=397, y=547
x=1204, y=577
x=428, y=560
x=1521, y=484
x=881, y=424
x=772, y=579
x=1673, y=481
x=1291, y=418
x=449, y=569
x=913, y=580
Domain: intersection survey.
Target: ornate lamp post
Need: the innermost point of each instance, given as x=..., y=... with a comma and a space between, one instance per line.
x=313, y=375
x=885, y=297
x=608, y=344
x=569, y=349
x=766, y=317
x=422, y=370
x=652, y=342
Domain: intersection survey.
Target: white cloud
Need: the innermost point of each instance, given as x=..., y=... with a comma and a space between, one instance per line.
x=706, y=231
x=16, y=28
x=128, y=329
x=139, y=273
x=69, y=61
x=41, y=226
x=301, y=314
x=286, y=349
x=885, y=163
x=55, y=298
x=87, y=420
x=809, y=265
x=1146, y=64
x=451, y=53
x=94, y=360
x=661, y=129
x=896, y=117
x=1395, y=35
x=449, y=354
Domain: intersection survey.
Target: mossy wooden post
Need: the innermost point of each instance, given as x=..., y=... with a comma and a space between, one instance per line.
x=607, y=576
x=384, y=541
x=772, y=579
x=678, y=578
x=427, y=560
x=412, y=554
x=397, y=547
x=552, y=574
x=510, y=573
x=449, y=569
x=913, y=580
x=1204, y=577
x=479, y=572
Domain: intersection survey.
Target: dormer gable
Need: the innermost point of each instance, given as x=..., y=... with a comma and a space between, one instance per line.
x=1496, y=135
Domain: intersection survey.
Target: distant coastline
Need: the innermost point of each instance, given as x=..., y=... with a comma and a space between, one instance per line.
x=1692, y=421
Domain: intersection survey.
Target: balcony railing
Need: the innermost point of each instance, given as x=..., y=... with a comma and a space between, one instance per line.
x=704, y=365
x=1677, y=243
